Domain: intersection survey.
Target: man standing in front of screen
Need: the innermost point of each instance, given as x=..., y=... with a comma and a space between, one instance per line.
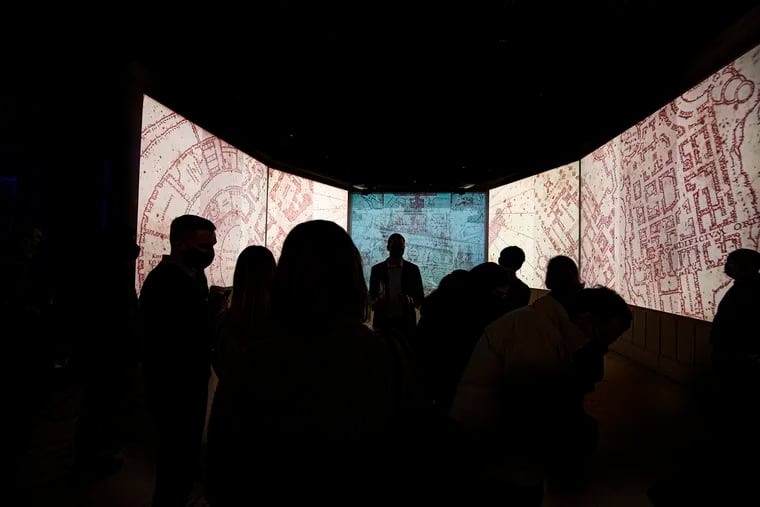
x=395, y=288
x=177, y=318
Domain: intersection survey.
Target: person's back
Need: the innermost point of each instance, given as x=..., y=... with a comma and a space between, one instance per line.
x=734, y=334
x=327, y=406
x=736, y=352
x=447, y=331
x=318, y=410
x=250, y=305
x=511, y=258
x=176, y=325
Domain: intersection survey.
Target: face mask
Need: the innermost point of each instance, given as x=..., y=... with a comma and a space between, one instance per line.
x=199, y=259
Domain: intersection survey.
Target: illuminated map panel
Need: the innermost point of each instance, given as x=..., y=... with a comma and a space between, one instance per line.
x=665, y=202
x=540, y=215
x=184, y=169
x=294, y=199
x=443, y=231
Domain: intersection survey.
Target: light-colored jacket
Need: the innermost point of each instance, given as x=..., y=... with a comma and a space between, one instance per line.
x=518, y=377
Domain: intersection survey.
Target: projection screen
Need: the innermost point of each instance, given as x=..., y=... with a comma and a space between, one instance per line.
x=185, y=169
x=540, y=215
x=443, y=231
x=664, y=203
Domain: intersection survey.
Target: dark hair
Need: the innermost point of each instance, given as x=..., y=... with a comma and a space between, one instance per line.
x=489, y=275
x=457, y=280
x=252, y=284
x=396, y=235
x=745, y=257
x=601, y=303
x=184, y=225
x=512, y=257
x=562, y=274
x=320, y=277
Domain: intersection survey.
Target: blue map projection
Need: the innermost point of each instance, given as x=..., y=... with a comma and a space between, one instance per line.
x=443, y=231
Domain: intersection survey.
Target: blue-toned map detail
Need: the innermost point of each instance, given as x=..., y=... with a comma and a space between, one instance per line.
x=443, y=231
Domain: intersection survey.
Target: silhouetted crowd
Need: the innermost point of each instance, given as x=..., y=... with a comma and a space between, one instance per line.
x=328, y=387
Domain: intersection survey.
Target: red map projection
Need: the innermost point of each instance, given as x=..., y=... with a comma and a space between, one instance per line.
x=294, y=199
x=540, y=215
x=184, y=169
x=665, y=202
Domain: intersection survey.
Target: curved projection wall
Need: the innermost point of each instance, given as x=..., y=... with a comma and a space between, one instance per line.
x=185, y=169
x=540, y=215
x=661, y=205
x=665, y=202
x=293, y=199
x=443, y=232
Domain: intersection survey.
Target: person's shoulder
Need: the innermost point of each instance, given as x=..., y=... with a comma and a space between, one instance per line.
x=165, y=274
x=512, y=318
x=411, y=264
x=162, y=270
x=522, y=285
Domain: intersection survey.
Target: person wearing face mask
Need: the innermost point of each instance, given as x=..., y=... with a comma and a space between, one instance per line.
x=396, y=291
x=176, y=320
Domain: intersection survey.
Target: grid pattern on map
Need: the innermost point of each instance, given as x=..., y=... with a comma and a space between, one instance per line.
x=666, y=201
x=540, y=215
x=295, y=199
x=443, y=231
x=185, y=169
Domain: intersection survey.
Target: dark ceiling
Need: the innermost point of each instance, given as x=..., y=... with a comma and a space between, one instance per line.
x=425, y=96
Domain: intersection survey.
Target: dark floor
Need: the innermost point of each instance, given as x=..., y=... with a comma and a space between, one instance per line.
x=646, y=423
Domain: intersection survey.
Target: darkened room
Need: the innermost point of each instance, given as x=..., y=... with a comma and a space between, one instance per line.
x=622, y=134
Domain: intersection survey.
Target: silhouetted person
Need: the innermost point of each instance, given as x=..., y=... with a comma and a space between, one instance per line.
x=735, y=338
x=516, y=399
x=724, y=470
x=250, y=304
x=446, y=333
x=490, y=292
x=563, y=281
x=735, y=334
x=177, y=322
x=327, y=407
x=396, y=291
x=454, y=319
x=108, y=354
x=562, y=278
x=511, y=259
x=246, y=320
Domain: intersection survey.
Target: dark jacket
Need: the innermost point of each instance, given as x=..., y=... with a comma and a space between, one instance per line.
x=411, y=285
x=176, y=320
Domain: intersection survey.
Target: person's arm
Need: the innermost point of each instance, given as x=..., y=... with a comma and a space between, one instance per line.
x=374, y=283
x=418, y=294
x=376, y=287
